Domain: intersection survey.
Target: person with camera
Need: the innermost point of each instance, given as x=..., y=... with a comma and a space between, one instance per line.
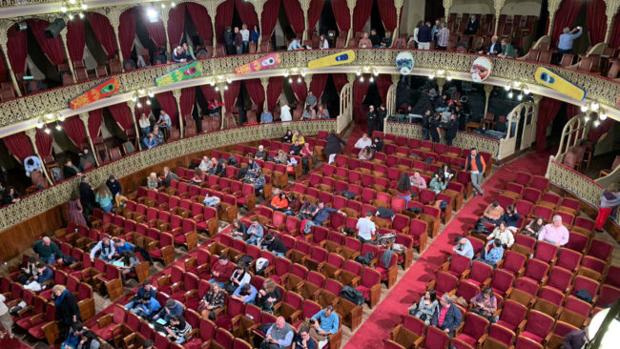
x=146, y=306
x=324, y=323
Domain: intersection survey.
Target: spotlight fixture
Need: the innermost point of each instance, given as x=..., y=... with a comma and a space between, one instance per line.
x=299, y=80
x=371, y=80
x=602, y=116
x=596, y=123
x=58, y=127
x=361, y=79
x=511, y=94
x=47, y=130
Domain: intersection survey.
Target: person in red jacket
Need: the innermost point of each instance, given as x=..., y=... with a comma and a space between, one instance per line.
x=221, y=271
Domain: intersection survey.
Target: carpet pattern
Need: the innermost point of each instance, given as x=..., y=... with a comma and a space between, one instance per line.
x=389, y=312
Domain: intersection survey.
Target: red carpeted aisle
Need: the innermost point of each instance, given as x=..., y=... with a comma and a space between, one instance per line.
x=388, y=313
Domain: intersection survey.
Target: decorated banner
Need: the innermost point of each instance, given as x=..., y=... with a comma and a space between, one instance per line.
x=186, y=72
x=549, y=79
x=103, y=90
x=343, y=57
x=269, y=61
x=481, y=69
x=404, y=63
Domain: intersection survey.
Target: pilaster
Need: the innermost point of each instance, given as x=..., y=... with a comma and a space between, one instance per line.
x=351, y=6
x=399, y=6
x=114, y=15
x=552, y=8
x=177, y=95
x=498, y=5
x=305, y=6
x=4, y=39
x=611, y=9
x=487, y=96
x=84, y=118
x=265, y=83
x=63, y=35
x=447, y=5
x=132, y=107
x=32, y=134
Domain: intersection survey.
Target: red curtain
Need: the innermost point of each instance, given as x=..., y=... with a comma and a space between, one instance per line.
x=176, y=24
x=127, y=31
x=52, y=47
x=383, y=85
x=44, y=143
x=299, y=89
x=247, y=13
x=168, y=103
x=230, y=95
x=223, y=18
x=339, y=81
x=597, y=132
x=188, y=98
x=17, y=47
x=596, y=20
x=314, y=13
x=295, y=16
x=3, y=68
x=76, y=40
x=209, y=93
x=19, y=145
x=614, y=40
x=317, y=85
x=565, y=17
x=343, y=17
x=256, y=92
x=274, y=90
x=270, y=18
x=157, y=33
x=202, y=21
x=103, y=32
x=95, y=118
x=361, y=14
x=547, y=111
x=572, y=111
x=122, y=115
x=74, y=129
x=360, y=89
x=387, y=11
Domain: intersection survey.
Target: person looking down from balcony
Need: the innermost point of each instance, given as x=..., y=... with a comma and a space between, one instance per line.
x=294, y=45
x=364, y=42
x=70, y=170
x=266, y=117
x=32, y=164
x=87, y=160
x=495, y=48
x=508, y=51
x=323, y=43
x=472, y=25
x=443, y=35
x=254, y=35
x=285, y=113
x=178, y=55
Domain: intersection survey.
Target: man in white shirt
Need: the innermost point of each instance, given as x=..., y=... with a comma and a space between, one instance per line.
x=245, y=38
x=285, y=113
x=294, y=45
x=366, y=228
x=31, y=164
x=363, y=142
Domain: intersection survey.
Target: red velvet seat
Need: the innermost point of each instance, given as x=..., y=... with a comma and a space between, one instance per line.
x=474, y=329
x=538, y=326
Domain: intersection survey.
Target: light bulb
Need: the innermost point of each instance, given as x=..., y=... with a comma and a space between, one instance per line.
x=372, y=80
x=151, y=94
x=71, y=16
x=63, y=9
x=40, y=125
x=603, y=117
x=527, y=92
x=72, y=2
x=511, y=94
x=286, y=73
x=225, y=87
x=58, y=127
x=431, y=77
x=139, y=105
x=81, y=14
x=152, y=14
x=448, y=78
x=358, y=73
x=163, y=6
x=217, y=89
x=148, y=102
x=375, y=73
x=61, y=118
x=507, y=88
x=47, y=130
x=84, y=7
x=584, y=108
x=299, y=80
x=290, y=80
x=586, y=118
x=596, y=123
x=520, y=97
x=361, y=79
x=595, y=106
x=441, y=72
x=173, y=4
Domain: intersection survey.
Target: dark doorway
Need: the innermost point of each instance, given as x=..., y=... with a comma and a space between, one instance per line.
x=433, y=10
x=289, y=34
x=236, y=20
x=327, y=21
x=557, y=126
x=375, y=20
x=40, y=60
x=541, y=27
x=243, y=103
x=331, y=98
x=372, y=96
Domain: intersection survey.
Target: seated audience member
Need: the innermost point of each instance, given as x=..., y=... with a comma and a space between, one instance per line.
x=279, y=335
x=326, y=322
x=534, y=226
x=363, y=142
x=213, y=300
x=126, y=262
x=239, y=230
x=158, y=134
x=294, y=45
x=374, y=38
x=255, y=234
x=47, y=250
x=296, y=148
x=495, y=47
x=87, y=160
x=298, y=138
x=146, y=307
x=178, y=330
x=303, y=340
x=150, y=141
x=437, y=185
x=211, y=200
x=32, y=164
x=268, y=296
x=261, y=153
x=274, y=244
x=168, y=177
x=266, y=117
x=426, y=307
x=173, y=308
x=449, y=317
x=511, y=216
x=148, y=344
x=320, y=215
x=44, y=274
x=104, y=198
x=311, y=100
x=366, y=154
x=146, y=290
x=403, y=186
x=205, y=164
x=323, y=43
x=281, y=157
x=485, y=304
x=463, y=247
x=246, y=293
x=80, y=338
x=417, y=181
x=29, y=271
x=366, y=228
x=178, y=55
x=504, y=234
x=493, y=213
x=307, y=209
x=152, y=182
x=114, y=186
x=446, y=173
x=309, y=113
x=364, y=42
x=198, y=176
x=322, y=112
x=377, y=144
x=238, y=277
x=555, y=232
x=70, y=170
x=9, y=195
x=492, y=253
x=386, y=41
x=189, y=52
x=508, y=51
x=104, y=249
x=221, y=271
x=288, y=137
x=333, y=147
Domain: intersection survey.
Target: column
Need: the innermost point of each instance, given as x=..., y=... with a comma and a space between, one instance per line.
x=177, y=96
x=552, y=7
x=164, y=19
x=115, y=20
x=487, y=96
x=258, y=7
x=212, y=10
x=305, y=5
x=265, y=83
x=351, y=6
x=84, y=118
x=390, y=104
x=132, y=107
x=447, y=5
x=31, y=133
x=498, y=5
x=610, y=11
x=63, y=35
x=221, y=90
x=3, y=43
x=307, y=80
x=399, y=6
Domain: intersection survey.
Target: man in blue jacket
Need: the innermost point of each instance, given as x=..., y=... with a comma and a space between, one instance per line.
x=449, y=317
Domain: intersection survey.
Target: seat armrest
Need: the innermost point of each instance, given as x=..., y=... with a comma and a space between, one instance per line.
x=104, y=320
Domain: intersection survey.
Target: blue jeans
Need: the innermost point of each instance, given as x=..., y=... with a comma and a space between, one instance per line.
x=476, y=181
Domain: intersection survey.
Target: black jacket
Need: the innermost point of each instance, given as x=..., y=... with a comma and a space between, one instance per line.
x=87, y=195
x=67, y=309
x=334, y=145
x=276, y=245
x=451, y=129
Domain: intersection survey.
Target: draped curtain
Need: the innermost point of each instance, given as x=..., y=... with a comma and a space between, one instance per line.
x=361, y=14
x=343, y=17
x=247, y=13
x=339, y=81
x=295, y=16
x=52, y=47
x=176, y=24
x=17, y=49
x=157, y=33
x=256, y=92
x=614, y=40
x=565, y=17
x=387, y=11
x=44, y=143
x=122, y=115
x=95, y=118
x=597, y=132
x=230, y=95
x=74, y=129
x=270, y=18
x=547, y=111
x=209, y=93
x=188, y=98
x=103, y=32
x=202, y=21
x=317, y=85
x=596, y=20
x=360, y=89
x=76, y=40
x=383, y=85
x=127, y=31
x=223, y=18
x=314, y=13
x=19, y=146
x=274, y=90
x=299, y=89
x=168, y=103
